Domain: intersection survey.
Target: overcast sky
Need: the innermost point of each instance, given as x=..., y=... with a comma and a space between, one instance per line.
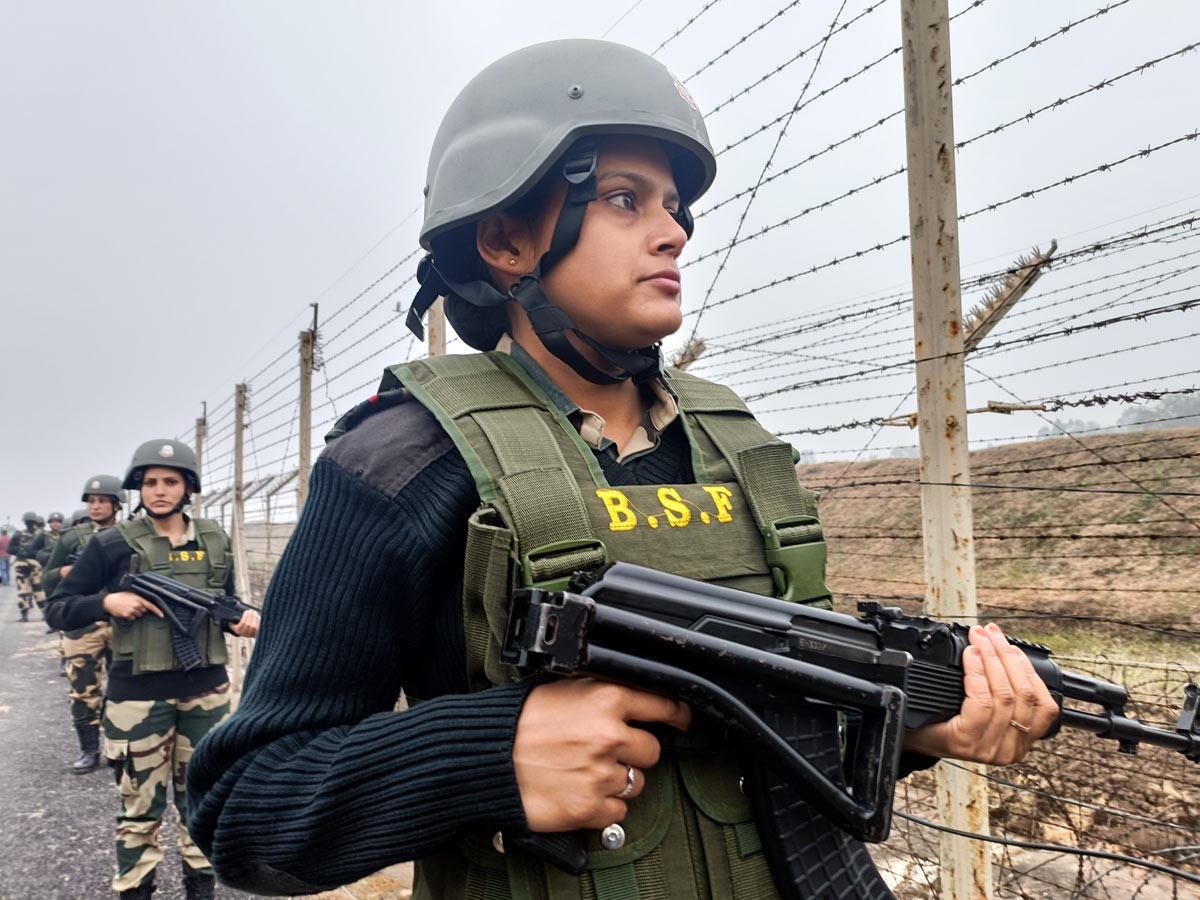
x=179, y=181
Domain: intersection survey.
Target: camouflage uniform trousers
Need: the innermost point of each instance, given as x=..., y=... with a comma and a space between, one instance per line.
x=29, y=584
x=148, y=743
x=87, y=656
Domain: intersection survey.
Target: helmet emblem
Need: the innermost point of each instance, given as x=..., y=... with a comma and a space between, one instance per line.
x=686, y=95
x=166, y=451
x=96, y=485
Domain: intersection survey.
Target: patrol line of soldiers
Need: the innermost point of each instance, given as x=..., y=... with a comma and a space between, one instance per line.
x=42, y=557
x=152, y=712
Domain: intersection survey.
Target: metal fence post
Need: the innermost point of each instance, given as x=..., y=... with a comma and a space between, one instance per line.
x=941, y=398
x=308, y=355
x=436, y=324
x=238, y=526
x=201, y=430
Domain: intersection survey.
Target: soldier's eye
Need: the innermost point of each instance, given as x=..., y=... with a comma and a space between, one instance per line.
x=622, y=200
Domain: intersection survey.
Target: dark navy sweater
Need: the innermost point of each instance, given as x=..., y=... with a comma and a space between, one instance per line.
x=315, y=781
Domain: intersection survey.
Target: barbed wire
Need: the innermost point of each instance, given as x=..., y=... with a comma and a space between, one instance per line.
x=1037, y=42
x=881, y=178
x=987, y=208
x=896, y=304
x=767, y=166
x=745, y=37
x=685, y=26
x=773, y=72
x=1071, y=179
x=1182, y=306
x=1063, y=101
x=1147, y=233
x=1041, y=589
x=1040, y=536
x=983, y=485
x=1040, y=42
x=1051, y=406
x=370, y=287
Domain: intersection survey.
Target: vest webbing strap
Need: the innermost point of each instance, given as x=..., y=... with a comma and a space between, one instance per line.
x=763, y=469
x=537, y=487
x=699, y=396
x=616, y=883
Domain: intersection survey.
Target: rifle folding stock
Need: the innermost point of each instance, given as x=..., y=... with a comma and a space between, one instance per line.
x=744, y=659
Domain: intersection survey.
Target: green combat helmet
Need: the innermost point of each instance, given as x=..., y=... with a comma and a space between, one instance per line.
x=80, y=516
x=55, y=515
x=534, y=112
x=163, y=452
x=30, y=518
x=105, y=486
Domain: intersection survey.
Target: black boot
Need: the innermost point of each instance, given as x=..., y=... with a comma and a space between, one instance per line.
x=89, y=749
x=24, y=615
x=198, y=885
x=141, y=892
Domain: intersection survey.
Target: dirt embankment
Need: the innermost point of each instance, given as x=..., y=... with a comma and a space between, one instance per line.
x=1043, y=554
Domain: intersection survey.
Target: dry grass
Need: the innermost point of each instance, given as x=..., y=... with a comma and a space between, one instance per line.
x=1043, y=556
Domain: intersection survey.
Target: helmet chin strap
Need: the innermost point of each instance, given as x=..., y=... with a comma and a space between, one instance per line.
x=550, y=323
x=178, y=508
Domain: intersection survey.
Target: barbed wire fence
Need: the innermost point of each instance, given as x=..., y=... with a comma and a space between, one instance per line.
x=801, y=293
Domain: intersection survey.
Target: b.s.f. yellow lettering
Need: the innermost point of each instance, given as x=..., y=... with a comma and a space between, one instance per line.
x=722, y=500
x=620, y=516
x=678, y=513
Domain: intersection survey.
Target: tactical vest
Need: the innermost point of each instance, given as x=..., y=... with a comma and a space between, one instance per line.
x=75, y=539
x=147, y=641
x=547, y=512
x=21, y=545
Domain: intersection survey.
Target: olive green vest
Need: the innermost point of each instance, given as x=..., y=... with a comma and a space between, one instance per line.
x=147, y=641
x=74, y=539
x=547, y=511
x=22, y=543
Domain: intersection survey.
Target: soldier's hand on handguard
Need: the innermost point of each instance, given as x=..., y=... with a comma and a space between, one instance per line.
x=578, y=758
x=128, y=605
x=247, y=625
x=1006, y=709
x=64, y=572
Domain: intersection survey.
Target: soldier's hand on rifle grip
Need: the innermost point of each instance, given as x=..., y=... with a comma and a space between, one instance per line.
x=575, y=746
x=1006, y=709
x=247, y=625
x=128, y=605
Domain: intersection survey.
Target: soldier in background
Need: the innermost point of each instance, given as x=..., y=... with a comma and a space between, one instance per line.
x=28, y=572
x=48, y=541
x=155, y=711
x=87, y=650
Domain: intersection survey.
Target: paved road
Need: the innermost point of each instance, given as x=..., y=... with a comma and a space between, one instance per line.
x=56, y=834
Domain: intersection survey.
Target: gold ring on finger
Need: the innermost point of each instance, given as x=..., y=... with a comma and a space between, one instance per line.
x=1017, y=725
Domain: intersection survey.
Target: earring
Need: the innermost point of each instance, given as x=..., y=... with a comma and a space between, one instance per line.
x=512, y=262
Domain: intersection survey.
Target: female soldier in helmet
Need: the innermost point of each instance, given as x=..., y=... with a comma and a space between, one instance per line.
x=87, y=649
x=154, y=711
x=556, y=211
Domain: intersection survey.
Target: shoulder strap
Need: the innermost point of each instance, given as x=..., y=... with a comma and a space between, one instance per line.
x=513, y=443
x=214, y=542
x=139, y=535
x=785, y=512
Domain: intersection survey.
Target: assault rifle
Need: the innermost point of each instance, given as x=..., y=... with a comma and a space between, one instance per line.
x=185, y=608
x=764, y=668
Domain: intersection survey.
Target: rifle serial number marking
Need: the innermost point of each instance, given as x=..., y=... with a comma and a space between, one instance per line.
x=803, y=643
